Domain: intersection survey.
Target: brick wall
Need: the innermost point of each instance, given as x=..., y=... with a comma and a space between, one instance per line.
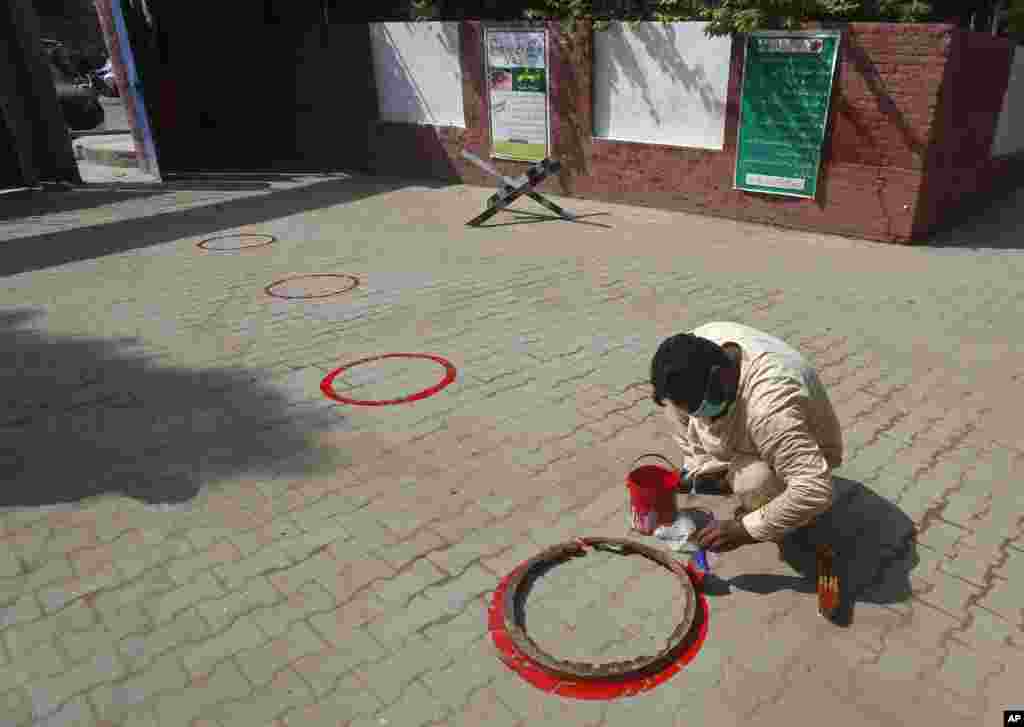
x=912, y=118
x=959, y=173
x=891, y=83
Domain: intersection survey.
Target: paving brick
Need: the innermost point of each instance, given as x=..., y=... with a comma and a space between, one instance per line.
x=261, y=664
x=203, y=537
x=941, y=536
x=400, y=554
x=131, y=561
x=965, y=671
x=287, y=692
x=968, y=565
x=203, y=588
x=56, y=597
x=226, y=682
x=258, y=593
x=389, y=677
x=1013, y=567
x=263, y=562
x=185, y=569
x=73, y=712
x=22, y=639
x=56, y=569
x=473, y=547
x=140, y=649
x=327, y=535
x=989, y=633
x=251, y=541
x=350, y=700
x=140, y=590
x=1004, y=599
x=316, y=514
x=112, y=701
x=533, y=707
x=454, y=684
x=48, y=695
x=320, y=567
x=396, y=627
x=357, y=611
x=415, y=707
x=409, y=582
x=10, y=566
x=23, y=610
x=242, y=635
x=16, y=706
x=471, y=519
x=79, y=646
x=42, y=661
x=367, y=533
x=504, y=563
x=311, y=599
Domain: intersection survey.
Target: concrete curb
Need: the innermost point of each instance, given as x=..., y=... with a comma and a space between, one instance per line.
x=118, y=152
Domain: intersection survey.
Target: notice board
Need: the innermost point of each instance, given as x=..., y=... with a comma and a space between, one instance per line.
x=784, y=108
x=518, y=99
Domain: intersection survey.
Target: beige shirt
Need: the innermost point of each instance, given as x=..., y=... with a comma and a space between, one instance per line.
x=782, y=416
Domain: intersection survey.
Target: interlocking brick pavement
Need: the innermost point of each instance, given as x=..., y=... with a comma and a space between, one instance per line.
x=328, y=564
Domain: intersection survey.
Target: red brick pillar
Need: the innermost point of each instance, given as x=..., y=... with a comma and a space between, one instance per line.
x=106, y=16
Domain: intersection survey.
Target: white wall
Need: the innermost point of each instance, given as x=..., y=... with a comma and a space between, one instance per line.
x=419, y=80
x=661, y=84
x=1010, y=128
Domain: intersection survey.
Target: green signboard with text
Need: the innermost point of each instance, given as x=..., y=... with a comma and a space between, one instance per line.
x=784, y=107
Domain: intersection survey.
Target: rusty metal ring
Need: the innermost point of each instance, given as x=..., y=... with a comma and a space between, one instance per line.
x=519, y=587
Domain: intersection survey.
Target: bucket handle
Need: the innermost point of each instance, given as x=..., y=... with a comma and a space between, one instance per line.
x=654, y=454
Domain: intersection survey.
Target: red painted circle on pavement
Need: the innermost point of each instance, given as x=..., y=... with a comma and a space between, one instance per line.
x=593, y=689
x=354, y=283
x=327, y=385
x=204, y=245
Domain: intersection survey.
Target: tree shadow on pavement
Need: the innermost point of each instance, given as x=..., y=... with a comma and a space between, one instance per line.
x=987, y=224
x=875, y=551
x=54, y=198
x=153, y=227
x=86, y=416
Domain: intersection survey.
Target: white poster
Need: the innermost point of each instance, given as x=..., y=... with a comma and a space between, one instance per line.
x=518, y=93
x=660, y=83
x=418, y=74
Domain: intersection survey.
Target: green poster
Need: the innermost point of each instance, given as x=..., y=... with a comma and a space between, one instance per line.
x=518, y=93
x=784, y=106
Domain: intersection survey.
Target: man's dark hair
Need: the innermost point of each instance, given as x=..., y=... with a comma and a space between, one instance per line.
x=680, y=369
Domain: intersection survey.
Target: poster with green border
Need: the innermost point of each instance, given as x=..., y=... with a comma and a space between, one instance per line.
x=518, y=101
x=784, y=107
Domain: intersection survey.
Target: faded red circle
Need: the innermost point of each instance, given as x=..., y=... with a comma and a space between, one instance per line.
x=204, y=245
x=352, y=286
x=327, y=385
x=592, y=689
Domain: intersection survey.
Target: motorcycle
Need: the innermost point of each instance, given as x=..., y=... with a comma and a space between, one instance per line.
x=102, y=81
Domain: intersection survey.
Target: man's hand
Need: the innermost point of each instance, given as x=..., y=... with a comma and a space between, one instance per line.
x=723, y=536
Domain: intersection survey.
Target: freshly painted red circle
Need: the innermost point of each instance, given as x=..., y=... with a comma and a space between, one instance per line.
x=269, y=289
x=327, y=385
x=202, y=244
x=533, y=673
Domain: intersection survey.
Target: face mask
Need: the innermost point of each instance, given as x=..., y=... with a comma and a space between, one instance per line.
x=715, y=404
x=711, y=409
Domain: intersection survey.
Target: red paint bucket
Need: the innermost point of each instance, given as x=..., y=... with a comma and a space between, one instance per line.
x=652, y=495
